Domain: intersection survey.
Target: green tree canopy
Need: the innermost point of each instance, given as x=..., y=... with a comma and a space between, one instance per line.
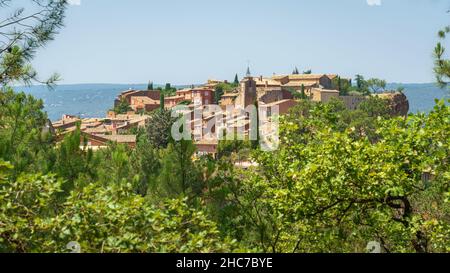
x=325, y=191
x=159, y=128
x=376, y=85
x=179, y=176
x=219, y=92
x=122, y=107
x=102, y=219
x=25, y=137
x=375, y=107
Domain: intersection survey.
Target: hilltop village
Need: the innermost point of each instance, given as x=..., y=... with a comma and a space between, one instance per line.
x=280, y=92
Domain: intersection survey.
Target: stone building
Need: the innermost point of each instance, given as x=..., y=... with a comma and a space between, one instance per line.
x=352, y=102
x=146, y=104
x=196, y=96
x=248, y=93
x=307, y=81
x=128, y=95
x=96, y=142
x=228, y=99
x=323, y=95
x=282, y=107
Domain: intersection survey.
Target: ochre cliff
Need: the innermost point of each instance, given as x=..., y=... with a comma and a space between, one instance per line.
x=398, y=102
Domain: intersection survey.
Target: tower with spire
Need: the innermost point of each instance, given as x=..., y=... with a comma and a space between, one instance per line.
x=248, y=90
x=248, y=74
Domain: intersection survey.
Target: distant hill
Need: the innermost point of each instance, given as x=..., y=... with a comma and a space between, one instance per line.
x=84, y=100
x=94, y=100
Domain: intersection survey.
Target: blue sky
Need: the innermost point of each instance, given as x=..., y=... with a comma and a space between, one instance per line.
x=186, y=42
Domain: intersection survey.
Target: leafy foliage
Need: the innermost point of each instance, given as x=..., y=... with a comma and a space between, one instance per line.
x=219, y=92
x=159, y=132
x=122, y=107
x=376, y=85
x=178, y=176
x=325, y=191
x=108, y=219
x=168, y=90
x=340, y=179
x=343, y=85
x=73, y=162
x=375, y=107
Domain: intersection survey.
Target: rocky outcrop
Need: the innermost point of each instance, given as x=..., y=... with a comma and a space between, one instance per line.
x=398, y=102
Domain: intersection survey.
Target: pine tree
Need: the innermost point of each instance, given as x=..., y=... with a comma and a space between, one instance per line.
x=179, y=176
x=342, y=88
x=441, y=64
x=23, y=32
x=159, y=128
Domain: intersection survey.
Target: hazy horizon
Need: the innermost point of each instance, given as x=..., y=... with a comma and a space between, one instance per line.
x=93, y=100
x=175, y=85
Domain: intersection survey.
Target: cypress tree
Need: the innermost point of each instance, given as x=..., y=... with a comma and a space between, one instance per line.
x=255, y=143
x=150, y=85
x=236, y=80
x=303, y=92
x=359, y=80
x=342, y=91
x=161, y=102
x=218, y=94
